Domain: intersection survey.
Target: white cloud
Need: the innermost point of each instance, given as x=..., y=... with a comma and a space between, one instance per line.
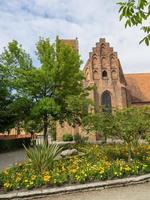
x=88, y=20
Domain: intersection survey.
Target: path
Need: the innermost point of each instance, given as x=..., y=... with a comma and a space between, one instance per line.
x=9, y=158
x=134, y=192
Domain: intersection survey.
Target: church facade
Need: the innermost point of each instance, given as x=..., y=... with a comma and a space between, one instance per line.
x=112, y=88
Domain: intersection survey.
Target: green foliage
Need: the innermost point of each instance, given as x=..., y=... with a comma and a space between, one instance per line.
x=136, y=13
x=7, y=117
x=80, y=139
x=94, y=163
x=67, y=137
x=13, y=107
x=32, y=126
x=6, y=99
x=42, y=157
x=132, y=124
x=48, y=92
x=128, y=124
x=100, y=123
x=14, y=144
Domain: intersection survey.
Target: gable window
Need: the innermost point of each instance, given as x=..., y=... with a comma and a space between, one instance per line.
x=104, y=75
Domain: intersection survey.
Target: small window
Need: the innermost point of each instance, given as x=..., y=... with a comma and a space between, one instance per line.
x=104, y=75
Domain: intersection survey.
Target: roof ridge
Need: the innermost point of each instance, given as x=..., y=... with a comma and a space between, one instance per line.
x=144, y=73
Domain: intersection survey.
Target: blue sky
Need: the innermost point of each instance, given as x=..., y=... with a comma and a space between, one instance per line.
x=88, y=20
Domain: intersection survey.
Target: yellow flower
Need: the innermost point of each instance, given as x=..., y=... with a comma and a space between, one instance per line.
x=33, y=177
x=7, y=185
x=6, y=172
x=46, y=178
x=74, y=171
x=18, y=179
x=31, y=183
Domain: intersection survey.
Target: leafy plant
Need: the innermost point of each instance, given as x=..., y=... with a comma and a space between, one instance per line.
x=67, y=137
x=130, y=125
x=43, y=156
x=79, y=139
x=97, y=162
x=136, y=13
x=49, y=92
x=101, y=123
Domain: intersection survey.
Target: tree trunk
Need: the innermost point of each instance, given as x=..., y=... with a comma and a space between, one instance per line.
x=45, y=128
x=129, y=153
x=105, y=139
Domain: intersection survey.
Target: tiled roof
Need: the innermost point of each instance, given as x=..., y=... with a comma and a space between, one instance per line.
x=139, y=87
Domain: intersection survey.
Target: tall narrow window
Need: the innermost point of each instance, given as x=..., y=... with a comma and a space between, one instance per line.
x=106, y=101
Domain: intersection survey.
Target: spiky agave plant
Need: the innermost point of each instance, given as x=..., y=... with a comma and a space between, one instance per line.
x=43, y=156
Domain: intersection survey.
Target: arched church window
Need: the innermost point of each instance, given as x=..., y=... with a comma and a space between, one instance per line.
x=113, y=62
x=104, y=62
x=106, y=101
x=95, y=75
x=94, y=62
x=114, y=75
x=104, y=75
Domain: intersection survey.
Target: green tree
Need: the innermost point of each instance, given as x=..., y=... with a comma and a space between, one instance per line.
x=48, y=91
x=136, y=13
x=13, y=106
x=100, y=123
x=131, y=124
x=6, y=114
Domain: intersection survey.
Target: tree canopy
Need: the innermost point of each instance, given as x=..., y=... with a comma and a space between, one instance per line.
x=136, y=13
x=49, y=91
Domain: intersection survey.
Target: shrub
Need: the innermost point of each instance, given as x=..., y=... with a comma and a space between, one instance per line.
x=42, y=156
x=80, y=140
x=67, y=137
x=14, y=144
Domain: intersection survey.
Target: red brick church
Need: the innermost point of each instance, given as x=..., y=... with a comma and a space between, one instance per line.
x=113, y=88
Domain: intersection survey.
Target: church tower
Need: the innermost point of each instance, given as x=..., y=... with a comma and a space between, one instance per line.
x=103, y=71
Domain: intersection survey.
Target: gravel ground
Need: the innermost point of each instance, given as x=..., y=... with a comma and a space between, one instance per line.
x=9, y=158
x=134, y=192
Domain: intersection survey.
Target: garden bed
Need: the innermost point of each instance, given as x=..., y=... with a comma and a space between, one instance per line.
x=93, y=163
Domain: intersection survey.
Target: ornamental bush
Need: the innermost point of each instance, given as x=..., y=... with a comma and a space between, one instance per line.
x=43, y=156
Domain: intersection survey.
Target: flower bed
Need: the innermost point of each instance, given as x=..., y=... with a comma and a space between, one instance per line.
x=93, y=164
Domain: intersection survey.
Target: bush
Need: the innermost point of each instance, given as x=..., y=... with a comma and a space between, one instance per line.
x=80, y=140
x=14, y=144
x=67, y=137
x=42, y=156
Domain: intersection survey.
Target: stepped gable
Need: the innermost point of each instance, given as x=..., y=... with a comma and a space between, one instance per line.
x=103, y=60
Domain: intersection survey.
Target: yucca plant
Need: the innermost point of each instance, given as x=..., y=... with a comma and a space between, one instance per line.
x=43, y=156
